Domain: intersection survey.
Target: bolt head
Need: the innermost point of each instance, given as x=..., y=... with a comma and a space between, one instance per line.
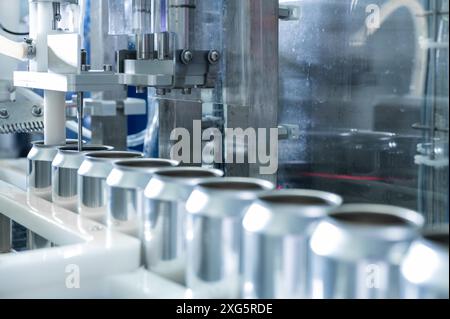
x=4, y=113
x=36, y=110
x=187, y=56
x=214, y=56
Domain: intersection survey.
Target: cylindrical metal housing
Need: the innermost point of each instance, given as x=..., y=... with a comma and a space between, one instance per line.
x=425, y=269
x=39, y=174
x=145, y=46
x=125, y=191
x=357, y=251
x=92, y=175
x=277, y=229
x=214, y=234
x=65, y=166
x=163, y=219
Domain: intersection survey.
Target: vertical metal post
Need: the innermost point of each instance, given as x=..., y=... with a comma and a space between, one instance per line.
x=80, y=101
x=5, y=234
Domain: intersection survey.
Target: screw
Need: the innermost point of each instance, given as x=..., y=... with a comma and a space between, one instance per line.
x=107, y=67
x=186, y=91
x=160, y=91
x=187, y=56
x=36, y=111
x=213, y=56
x=4, y=114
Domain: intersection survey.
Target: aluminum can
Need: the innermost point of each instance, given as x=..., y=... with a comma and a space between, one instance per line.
x=163, y=219
x=214, y=234
x=357, y=251
x=277, y=229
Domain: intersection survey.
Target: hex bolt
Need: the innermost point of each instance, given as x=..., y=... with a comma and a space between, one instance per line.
x=4, y=114
x=213, y=56
x=187, y=56
x=36, y=110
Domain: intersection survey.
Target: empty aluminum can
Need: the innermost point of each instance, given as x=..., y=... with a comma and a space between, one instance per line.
x=125, y=191
x=357, y=251
x=214, y=234
x=425, y=268
x=65, y=166
x=277, y=229
x=162, y=222
x=92, y=174
x=39, y=174
x=39, y=181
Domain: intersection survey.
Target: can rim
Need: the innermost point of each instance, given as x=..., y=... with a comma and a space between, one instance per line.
x=300, y=197
x=188, y=174
x=235, y=185
x=72, y=149
x=107, y=156
x=144, y=164
x=41, y=143
x=376, y=217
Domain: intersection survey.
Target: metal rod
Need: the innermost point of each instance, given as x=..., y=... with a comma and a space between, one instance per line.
x=80, y=102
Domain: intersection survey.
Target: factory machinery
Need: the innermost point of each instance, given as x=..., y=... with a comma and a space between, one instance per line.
x=293, y=149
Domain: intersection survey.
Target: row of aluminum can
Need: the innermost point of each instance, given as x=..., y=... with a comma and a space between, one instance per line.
x=238, y=237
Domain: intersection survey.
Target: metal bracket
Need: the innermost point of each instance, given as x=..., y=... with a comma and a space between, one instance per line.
x=21, y=117
x=289, y=13
x=188, y=69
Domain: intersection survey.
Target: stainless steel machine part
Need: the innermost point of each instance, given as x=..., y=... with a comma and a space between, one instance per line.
x=277, y=229
x=162, y=223
x=214, y=234
x=65, y=166
x=92, y=175
x=5, y=234
x=425, y=270
x=125, y=191
x=357, y=251
x=23, y=117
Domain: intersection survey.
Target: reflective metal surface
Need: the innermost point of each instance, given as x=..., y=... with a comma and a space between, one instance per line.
x=357, y=251
x=92, y=174
x=39, y=174
x=214, y=233
x=125, y=191
x=5, y=234
x=277, y=229
x=425, y=270
x=162, y=223
x=65, y=166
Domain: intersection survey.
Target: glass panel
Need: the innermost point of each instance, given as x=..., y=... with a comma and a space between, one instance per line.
x=366, y=81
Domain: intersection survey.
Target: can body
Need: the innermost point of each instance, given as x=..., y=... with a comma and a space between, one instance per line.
x=425, y=269
x=357, y=251
x=125, y=191
x=92, y=174
x=39, y=174
x=162, y=222
x=277, y=229
x=214, y=234
x=65, y=167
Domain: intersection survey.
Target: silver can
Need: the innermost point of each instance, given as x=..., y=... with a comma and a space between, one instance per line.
x=39, y=174
x=162, y=222
x=39, y=181
x=357, y=251
x=125, y=191
x=425, y=269
x=214, y=234
x=277, y=229
x=65, y=166
x=92, y=175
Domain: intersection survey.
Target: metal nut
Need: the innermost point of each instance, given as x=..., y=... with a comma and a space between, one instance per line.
x=36, y=111
x=4, y=114
x=213, y=56
x=187, y=56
